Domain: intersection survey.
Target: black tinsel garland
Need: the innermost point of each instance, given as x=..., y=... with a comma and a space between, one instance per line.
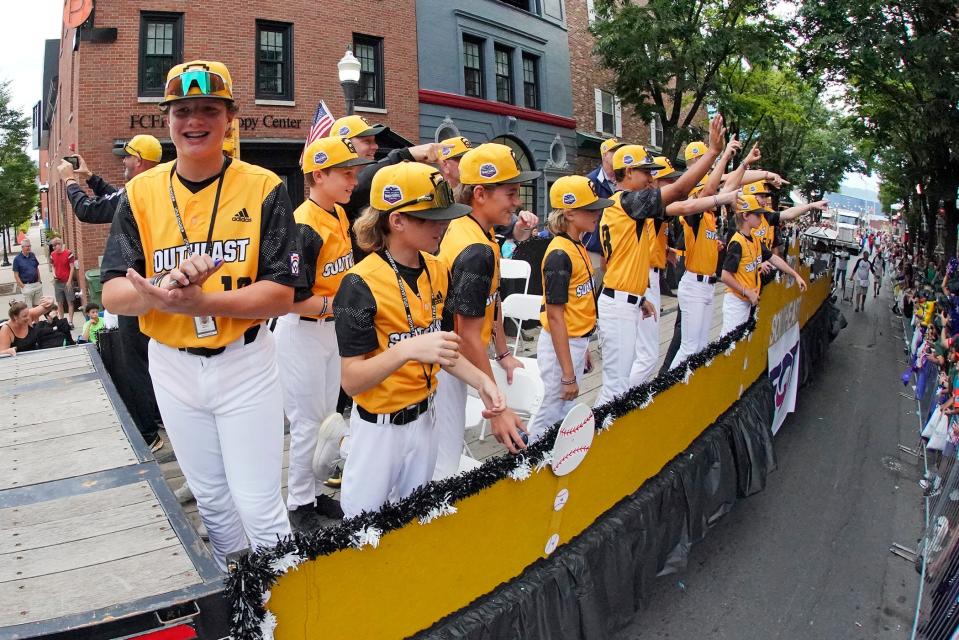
x=256, y=572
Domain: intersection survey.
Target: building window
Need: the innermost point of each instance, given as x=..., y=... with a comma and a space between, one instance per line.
x=527, y=197
x=530, y=81
x=161, y=47
x=656, y=131
x=609, y=116
x=274, y=60
x=519, y=4
x=369, y=51
x=473, y=67
x=504, y=74
x=591, y=11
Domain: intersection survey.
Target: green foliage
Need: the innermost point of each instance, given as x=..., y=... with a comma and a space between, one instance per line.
x=667, y=54
x=19, y=194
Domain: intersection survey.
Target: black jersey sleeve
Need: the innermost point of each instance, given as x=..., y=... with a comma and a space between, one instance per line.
x=471, y=279
x=767, y=254
x=124, y=249
x=557, y=271
x=100, y=187
x=772, y=218
x=96, y=210
x=734, y=255
x=354, y=309
x=647, y=203
x=280, y=251
x=311, y=242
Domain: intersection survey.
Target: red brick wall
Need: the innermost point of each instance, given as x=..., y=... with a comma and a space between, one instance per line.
x=588, y=74
x=98, y=83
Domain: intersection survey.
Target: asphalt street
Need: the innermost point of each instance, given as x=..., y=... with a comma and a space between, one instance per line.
x=808, y=558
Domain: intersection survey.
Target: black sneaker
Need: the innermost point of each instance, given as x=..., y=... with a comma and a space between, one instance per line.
x=329, y=507
x=304, y=519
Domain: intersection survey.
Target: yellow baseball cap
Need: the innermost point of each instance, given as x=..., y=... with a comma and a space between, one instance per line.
x=747, y=203
x=634, y=156
x=668, y=172
x=695, y=150
x=758, y=188
x=454, y=147
x=576, y=192
x=493, y=163
x=610, y=144
x=144, y=146
x=331, y=153
x=355, y=127
x=415, y=189
x=198, y=79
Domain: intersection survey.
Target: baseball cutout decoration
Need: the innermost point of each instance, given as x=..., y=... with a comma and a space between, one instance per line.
x=552, y=543
x=561, y=499
x=573, y=440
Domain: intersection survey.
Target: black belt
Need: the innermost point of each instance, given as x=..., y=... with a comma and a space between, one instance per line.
x=248, y=336
x=309, y=319
x=630, y=298
x=710, y=279
x=403, y=416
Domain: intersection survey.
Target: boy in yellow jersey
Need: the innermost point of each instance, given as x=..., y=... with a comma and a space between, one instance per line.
x=490, y=177
x=305, y=337
x=742, y=264
x=451, y=152
x=393, y=327
x=702, y=249
x=569, y=301
x=767, y=231
x=622, y=304
x=203, y=249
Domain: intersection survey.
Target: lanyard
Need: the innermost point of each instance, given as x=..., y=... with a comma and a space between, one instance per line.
x=409, y=316
x=179, y=220
x=589, y=272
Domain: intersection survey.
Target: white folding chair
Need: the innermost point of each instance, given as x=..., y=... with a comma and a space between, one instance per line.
x=515, y=269
x=519, y=307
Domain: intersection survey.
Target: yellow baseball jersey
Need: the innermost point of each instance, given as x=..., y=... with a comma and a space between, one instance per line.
x=568, y=280
x=743, y=257
x=472, y=256
x=766, y=231
x=625, y=248
x=702, y=243
x=658, y=243
x=252, y=234
x=371, y=318
x=327, y=250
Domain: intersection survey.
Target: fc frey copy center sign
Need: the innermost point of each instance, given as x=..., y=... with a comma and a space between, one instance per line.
x=784, y=361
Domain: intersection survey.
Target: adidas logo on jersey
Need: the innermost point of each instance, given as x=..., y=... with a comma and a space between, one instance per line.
x=242, y=216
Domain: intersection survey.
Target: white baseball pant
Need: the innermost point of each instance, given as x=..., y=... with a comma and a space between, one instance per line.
x=387, y=462
x=309, y=364
x=696, y=303
x=618, y=322
x=735, y=312
x=647, y=337
x=224, y=416
x=554, y=408
x=450, y=424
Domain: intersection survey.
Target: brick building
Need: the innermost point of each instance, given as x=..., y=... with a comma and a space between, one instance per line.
x=110, y=75
x=597, y=110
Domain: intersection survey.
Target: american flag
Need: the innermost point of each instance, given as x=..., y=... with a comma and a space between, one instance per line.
x=322, y=122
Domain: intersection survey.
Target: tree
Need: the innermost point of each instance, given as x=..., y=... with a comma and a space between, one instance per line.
x=667, y=54
x=19, y=194
x=900, y=63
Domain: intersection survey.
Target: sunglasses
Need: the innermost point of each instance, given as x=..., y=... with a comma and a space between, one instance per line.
x=440, y=197
x=207, y=82
x=131, y=151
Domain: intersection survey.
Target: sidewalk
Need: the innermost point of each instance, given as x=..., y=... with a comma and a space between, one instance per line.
x=46, y=275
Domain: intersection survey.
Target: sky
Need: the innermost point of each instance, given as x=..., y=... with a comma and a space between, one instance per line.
x=21, y=62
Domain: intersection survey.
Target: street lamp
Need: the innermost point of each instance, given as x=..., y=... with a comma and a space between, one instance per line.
x=349, y=71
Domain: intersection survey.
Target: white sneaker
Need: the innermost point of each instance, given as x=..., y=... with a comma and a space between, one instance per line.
x=183, y=494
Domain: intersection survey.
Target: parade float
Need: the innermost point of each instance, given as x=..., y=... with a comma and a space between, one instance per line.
x=565, y=539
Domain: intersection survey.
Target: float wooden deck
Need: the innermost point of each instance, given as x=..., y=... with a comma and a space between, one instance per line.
x=88, y=529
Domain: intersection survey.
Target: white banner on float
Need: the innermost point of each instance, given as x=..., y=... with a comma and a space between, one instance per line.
x=784, y=373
